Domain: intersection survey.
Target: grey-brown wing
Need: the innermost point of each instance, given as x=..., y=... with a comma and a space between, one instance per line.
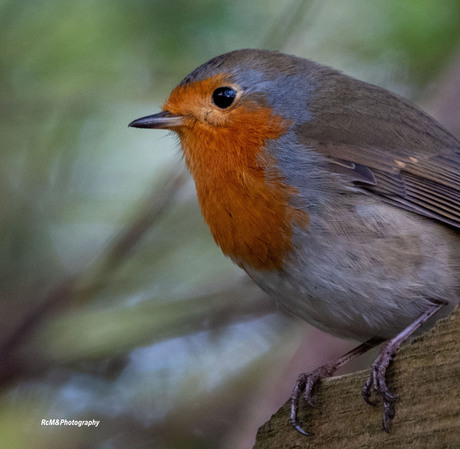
x=383, y=144
x=429, y=187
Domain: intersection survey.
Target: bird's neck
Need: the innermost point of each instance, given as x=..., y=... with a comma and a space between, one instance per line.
x=243, y=197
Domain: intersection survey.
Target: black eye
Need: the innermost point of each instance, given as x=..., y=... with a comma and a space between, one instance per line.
x=223, y=97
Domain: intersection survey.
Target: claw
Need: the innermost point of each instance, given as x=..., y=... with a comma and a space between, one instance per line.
x=306, y=382
x=377, y=379
x=311, y=403
x=304, y=387
x=390, y=397
x=377, y=383
x=388, y=415
x=367, y=393
x=301, y=430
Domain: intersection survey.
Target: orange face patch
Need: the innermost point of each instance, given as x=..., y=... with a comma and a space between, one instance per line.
x=249, y=213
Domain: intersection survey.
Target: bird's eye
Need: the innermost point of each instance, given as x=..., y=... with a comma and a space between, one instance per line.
x=223, y=97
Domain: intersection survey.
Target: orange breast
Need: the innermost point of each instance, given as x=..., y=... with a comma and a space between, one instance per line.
x=243, y=196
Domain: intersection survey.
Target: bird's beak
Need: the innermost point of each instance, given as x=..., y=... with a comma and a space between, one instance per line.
x=162, y=120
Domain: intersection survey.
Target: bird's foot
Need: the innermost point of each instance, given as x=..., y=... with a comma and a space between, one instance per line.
x=306, y=382
x=377, y=380
x=376, y=383
x=304, y=386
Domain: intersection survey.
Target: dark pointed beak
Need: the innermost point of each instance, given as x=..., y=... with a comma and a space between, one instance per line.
x=162, y=120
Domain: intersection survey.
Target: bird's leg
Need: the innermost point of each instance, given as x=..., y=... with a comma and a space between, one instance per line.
x=377, y=382
x=307, y=381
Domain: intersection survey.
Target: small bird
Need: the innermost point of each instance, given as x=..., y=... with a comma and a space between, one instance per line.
x=338, y=198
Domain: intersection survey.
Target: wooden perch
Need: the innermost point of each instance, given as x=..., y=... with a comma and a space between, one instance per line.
x=425, y=375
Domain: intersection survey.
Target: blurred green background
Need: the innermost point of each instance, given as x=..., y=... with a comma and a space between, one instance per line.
x=116, y=304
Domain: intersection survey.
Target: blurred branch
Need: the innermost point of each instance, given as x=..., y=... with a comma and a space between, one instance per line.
x=424, y=375
x=127, y=240
x=56, y=296
x=154, y=207
x=89, y=280
x=146, y=322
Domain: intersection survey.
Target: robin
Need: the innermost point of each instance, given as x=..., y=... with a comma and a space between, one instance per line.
x=339, y=198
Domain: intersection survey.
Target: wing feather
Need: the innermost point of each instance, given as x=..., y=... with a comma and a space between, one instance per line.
x=385, y=146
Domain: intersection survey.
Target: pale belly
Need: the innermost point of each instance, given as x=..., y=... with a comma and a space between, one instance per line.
x=367, y=275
